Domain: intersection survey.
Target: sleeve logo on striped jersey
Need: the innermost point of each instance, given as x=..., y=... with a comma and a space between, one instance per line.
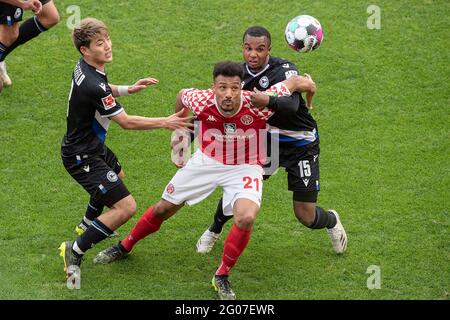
x=108, y=102
x=290, y=73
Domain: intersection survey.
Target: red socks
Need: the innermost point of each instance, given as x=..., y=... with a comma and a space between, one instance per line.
x=235, y=244
x=146, y=225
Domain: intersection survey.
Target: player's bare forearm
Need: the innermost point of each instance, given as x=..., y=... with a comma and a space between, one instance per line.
x=137, y=122
x=309, y=97
x=172, y=122
x=301, y=84
x=140, y=85
x=259, y=99
x=143, y=123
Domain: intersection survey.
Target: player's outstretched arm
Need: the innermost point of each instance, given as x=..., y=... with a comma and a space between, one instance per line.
x=172, y=122
x=302, y=84
x=34, y=5
x=299, y=84
x=310, y=94
x=140, y=85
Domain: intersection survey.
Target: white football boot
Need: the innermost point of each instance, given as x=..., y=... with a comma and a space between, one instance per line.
x=4, y=75
x=207, y=241
x=337, y=235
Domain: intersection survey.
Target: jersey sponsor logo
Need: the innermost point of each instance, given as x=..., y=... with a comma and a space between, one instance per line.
x=112, y=176
x=229, y=127
x=286, y=66
x=264, y=82
x=103, y=86
x=211, y=118
x=247, y=119
x=290, y=73
x=109, y=102
x=170, y=188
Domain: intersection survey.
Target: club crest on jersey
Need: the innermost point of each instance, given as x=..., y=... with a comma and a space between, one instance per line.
x=170, y=188
x=247, y=119
x=17, y=13
x=112, y=176
x=229, y=127
x=264, y=82
x=109, y=102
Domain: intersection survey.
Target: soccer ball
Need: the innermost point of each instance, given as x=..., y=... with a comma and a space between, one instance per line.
x=304, y=33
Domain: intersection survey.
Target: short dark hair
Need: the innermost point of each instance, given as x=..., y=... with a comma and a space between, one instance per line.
x=228, y=69
x=257, y=31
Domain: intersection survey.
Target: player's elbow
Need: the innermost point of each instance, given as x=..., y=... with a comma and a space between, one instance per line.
x=305, y=84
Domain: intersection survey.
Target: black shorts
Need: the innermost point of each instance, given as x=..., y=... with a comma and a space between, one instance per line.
x=98, y=176
x=302, y=166
x=10, y=14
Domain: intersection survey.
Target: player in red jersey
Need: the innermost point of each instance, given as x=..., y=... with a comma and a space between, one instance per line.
x=231, y=126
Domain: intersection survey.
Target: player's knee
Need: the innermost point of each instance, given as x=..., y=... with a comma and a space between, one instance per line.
x=121, y=175
x=53, y=21
x=161, y=207
x=127, y=208
x=245, y=220
x=165, y=209
x=49, y=19
x=14, y=35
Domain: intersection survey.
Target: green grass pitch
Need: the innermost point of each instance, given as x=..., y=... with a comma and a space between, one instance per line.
x=383, y=112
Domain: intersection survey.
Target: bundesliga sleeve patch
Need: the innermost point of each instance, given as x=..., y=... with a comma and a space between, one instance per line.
x=290, y=73
x=108, y=102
